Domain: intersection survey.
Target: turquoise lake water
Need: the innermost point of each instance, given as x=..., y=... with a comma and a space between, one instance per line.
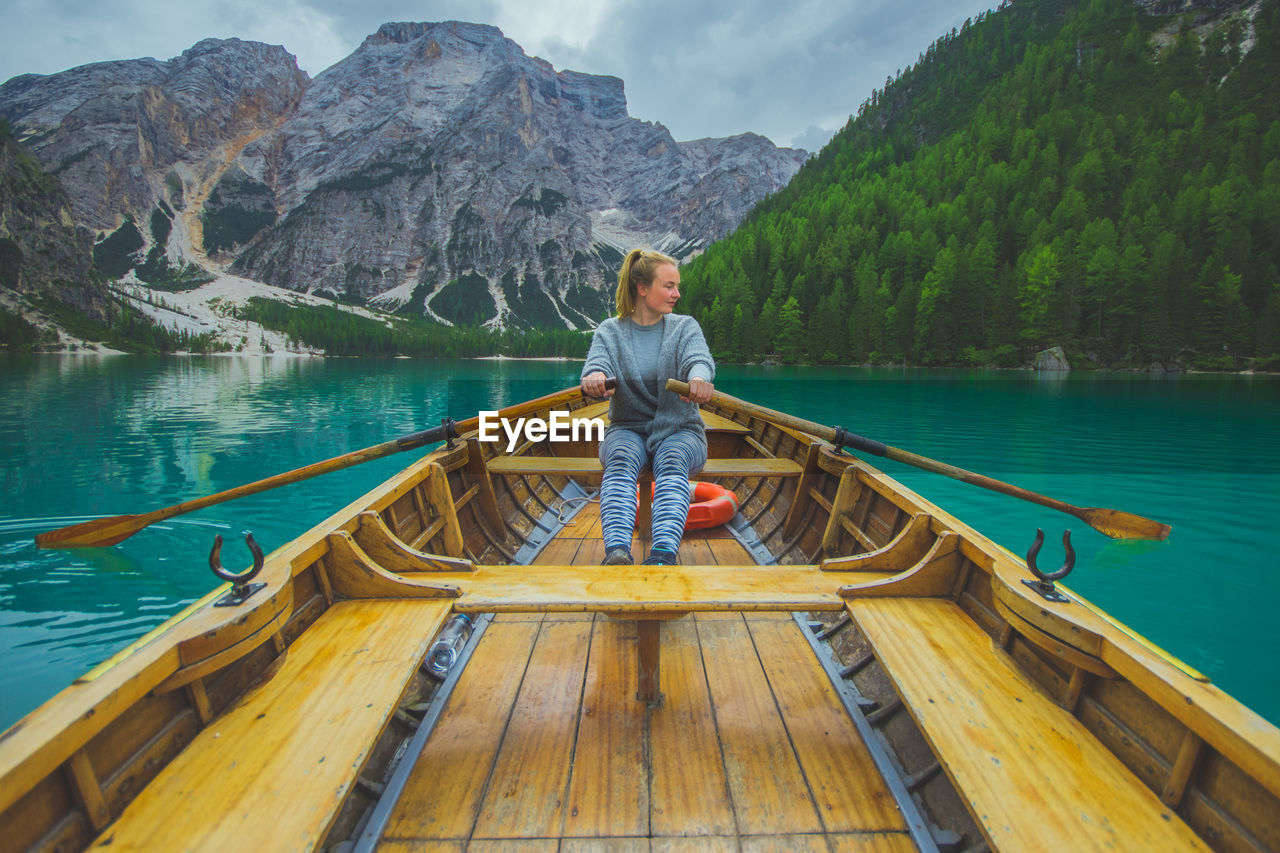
x=86, y=436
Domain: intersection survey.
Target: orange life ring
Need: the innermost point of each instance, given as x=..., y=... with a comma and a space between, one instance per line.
x=710, y=505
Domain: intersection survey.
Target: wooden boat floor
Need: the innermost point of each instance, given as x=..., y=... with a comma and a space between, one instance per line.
x=543, y=744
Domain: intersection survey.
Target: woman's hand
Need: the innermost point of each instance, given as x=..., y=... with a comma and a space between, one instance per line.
x=699, y=391
x=593, y=385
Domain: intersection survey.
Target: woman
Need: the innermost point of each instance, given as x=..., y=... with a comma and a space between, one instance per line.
x=644, y=346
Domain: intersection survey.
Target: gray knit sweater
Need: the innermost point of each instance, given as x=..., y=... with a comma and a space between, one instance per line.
x=683, y=355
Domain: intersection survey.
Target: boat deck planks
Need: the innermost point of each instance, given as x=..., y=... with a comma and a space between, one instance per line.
x=825, y=739
x=608, y=795
x=276, y=768
x=465, y=742
x=573, y=761
x=972, y=706
x=766, y=783
x=718, y=762
x=526, y=792
x=690, y=795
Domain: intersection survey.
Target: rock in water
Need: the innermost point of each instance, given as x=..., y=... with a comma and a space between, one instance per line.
x=1053, y=358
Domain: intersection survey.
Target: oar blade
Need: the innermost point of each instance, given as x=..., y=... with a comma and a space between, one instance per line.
x=1119, y=524
x=99, y=533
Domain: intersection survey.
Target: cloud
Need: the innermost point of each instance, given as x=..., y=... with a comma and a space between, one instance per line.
x=813, y=138
x=62, y=34
x=791, y=71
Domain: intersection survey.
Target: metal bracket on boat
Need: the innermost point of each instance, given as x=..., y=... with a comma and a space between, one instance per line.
x=1044, y=585
x=241, y=589
x=450, y=428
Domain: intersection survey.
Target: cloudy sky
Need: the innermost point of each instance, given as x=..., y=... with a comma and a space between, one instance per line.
x=791, y=71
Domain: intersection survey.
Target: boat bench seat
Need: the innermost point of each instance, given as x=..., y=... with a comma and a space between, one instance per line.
x=572, y=466
x=1030, y=773
x=272, y=772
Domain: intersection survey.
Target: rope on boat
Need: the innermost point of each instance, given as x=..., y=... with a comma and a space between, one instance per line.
x=566, y=502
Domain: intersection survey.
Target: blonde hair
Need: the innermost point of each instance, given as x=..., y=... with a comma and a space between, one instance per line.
x=638, y=267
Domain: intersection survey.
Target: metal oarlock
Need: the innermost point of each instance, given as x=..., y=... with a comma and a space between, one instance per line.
x=1044, y=585
x=241, y=589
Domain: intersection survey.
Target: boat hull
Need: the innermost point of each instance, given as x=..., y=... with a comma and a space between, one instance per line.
x=987, y=695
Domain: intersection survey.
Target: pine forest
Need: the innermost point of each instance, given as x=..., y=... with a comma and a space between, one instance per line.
x=1087, y=176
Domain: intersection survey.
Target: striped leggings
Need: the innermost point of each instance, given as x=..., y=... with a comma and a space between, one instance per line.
x=623, y=452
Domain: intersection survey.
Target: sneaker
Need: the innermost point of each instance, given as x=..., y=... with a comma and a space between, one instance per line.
x=661, y=557
x=618, y=557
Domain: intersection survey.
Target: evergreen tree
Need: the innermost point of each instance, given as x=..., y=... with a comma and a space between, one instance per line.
x=1039, y=177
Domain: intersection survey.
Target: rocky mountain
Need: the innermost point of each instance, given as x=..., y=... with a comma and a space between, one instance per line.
x=44, y=254
x=438, y=170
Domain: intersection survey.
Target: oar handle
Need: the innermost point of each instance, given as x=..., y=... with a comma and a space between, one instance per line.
x=844, y=438
x=448, y=429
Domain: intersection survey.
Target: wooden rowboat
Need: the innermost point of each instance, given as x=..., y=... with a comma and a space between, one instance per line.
x=844, y=666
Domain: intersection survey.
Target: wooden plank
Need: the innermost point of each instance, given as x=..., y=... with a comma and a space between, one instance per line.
x=609, y=792
x=276, y=769
x=526, y=795
x=719, y=423
x=846, y=496
x=887, y=842
x=729, y=552
x=523, y=845
x=604, y=845
x=688, y=790
x=648, y=663
x=354, y=575
x=900, y=554
x=88, y=790
x=1030, y=773
x=698, y=844
x=769, y=793
x=935, y=575
x=559, y=551
x=798, y=510
x=697, y=552
x=571, y=466
x=1175, y=787
x=437, y=487
x=591, y=552
x=784, y=844
x=644, y=508
x=418, y=846
x=442, y=797
x=849, y=790
x=376, y=539
x=642, y=589
x=719, y=616
x=580, y=525
x=478, y=473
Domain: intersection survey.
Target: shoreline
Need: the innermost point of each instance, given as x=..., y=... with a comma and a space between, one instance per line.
x=101, y=350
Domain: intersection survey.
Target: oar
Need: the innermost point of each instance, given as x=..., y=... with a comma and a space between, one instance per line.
x=1113, y=522
x=108, y=531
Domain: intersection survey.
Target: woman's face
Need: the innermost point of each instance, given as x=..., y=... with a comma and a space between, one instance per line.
x=660, y=295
